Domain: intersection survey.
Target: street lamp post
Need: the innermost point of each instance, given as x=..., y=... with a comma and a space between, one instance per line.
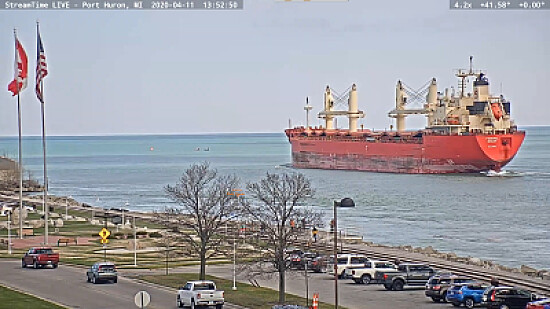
x=335, y=228
x=135, y=242
x=67, y=207
x=345, y=202
x=123, y=211
x=9, y=232
x=234, y=264
x=307, y=285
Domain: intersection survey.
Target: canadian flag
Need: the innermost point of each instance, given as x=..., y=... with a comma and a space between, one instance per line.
x=21, y=73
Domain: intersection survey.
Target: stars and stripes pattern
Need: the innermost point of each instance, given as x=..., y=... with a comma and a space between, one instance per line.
x=41, y=67
x=21, y=63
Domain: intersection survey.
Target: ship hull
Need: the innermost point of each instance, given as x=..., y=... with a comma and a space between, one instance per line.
x=432, y=154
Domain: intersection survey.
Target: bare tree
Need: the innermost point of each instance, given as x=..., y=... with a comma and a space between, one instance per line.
x=203, y=199
x=279, y=212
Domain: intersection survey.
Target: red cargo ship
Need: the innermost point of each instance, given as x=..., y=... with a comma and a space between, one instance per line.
x=466, y=133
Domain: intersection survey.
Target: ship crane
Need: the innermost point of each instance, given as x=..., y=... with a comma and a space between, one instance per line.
x=402, y=102
x=353, y=113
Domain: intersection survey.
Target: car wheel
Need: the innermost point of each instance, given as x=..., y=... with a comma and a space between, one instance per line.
x=192, y=304
x=23, y=264
x=469, y=303
x=178, y=302
x=54, y=265
x=444, y=297
x=435, y=299
x=387, y=286
x=365, y=279
x=398, y=285
x=88, y=278
x=504, y=306
x=115, y=280
x=94, y=281
x=35, y=265
x=219, y=306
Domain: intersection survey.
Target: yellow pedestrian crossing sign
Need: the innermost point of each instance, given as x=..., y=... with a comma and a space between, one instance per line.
x=104, y=233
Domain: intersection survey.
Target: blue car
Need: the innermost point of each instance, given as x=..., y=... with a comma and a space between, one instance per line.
x=467, y=294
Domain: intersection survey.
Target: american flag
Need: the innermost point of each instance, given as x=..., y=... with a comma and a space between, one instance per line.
x=41, y=67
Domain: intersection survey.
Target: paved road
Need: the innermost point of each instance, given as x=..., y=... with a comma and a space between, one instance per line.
x=67, y=285
x=351, y=295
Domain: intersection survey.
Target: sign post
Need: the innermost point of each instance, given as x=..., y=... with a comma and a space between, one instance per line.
x=104, y=233
x=142, y=299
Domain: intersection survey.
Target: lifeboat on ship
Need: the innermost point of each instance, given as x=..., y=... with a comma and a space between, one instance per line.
x=497, y=110
x=453, y=119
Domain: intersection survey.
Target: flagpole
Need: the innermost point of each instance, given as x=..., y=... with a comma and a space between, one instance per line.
x=46, y=208
x=20, y=163
x=45, y=199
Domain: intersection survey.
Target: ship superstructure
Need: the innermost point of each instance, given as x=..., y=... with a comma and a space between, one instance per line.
x=465, y=132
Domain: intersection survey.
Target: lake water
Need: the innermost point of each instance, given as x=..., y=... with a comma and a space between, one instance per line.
x=504, y=219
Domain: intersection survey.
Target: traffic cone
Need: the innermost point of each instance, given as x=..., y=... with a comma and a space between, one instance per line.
x=315, y=303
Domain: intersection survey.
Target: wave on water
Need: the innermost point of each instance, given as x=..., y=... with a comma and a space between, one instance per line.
x=287, y=165
x=503, y=173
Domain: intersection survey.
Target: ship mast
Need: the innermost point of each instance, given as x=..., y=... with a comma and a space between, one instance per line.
x=307, y=108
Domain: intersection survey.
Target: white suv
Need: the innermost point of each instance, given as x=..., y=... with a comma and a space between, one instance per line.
x=346, y=261
x=365, y=274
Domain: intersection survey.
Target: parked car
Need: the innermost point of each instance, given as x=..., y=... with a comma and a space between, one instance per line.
x=407, y=274
x=199, y=293
x=346, y=261
x=365, y=275
x=40, y=257
x=104, y=271
x=469, y=294
x=319, y=264
x=299, y=261
x=539, y=304
x=505, y=297
x=438, y=285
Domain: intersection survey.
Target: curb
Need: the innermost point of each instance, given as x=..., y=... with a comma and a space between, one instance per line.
x=32, y=295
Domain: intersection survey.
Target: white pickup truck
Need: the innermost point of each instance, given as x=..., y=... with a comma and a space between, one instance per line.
x=199, y=293
x=365, y=275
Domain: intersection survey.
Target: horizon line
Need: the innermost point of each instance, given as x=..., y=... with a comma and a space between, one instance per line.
x=189, y=133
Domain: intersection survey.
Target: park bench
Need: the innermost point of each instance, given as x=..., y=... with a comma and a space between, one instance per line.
x=66, y=241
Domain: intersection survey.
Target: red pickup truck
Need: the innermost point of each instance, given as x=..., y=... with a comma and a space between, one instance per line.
x=40, y=257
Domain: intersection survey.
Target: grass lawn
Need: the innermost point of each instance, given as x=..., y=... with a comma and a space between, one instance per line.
x=246, y=295
x=15, y=300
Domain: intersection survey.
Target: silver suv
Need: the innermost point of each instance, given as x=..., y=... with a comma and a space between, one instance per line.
x=103, y=271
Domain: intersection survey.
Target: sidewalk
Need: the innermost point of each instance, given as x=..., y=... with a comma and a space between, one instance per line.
x=38, y=241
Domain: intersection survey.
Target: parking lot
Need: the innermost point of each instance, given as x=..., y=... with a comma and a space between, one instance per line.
x=351, y=295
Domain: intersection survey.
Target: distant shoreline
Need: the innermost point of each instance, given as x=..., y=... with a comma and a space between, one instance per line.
x=188, y=134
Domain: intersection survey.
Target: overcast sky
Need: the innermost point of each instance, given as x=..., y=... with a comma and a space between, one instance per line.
x=129, y=72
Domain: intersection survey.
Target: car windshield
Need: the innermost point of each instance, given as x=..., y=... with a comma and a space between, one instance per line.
x=463, y=280
x=106, y=267
x=476, y=287
x=44, y=251
x=204, y=286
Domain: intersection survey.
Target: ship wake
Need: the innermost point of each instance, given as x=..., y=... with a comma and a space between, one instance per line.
x=502, y=173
